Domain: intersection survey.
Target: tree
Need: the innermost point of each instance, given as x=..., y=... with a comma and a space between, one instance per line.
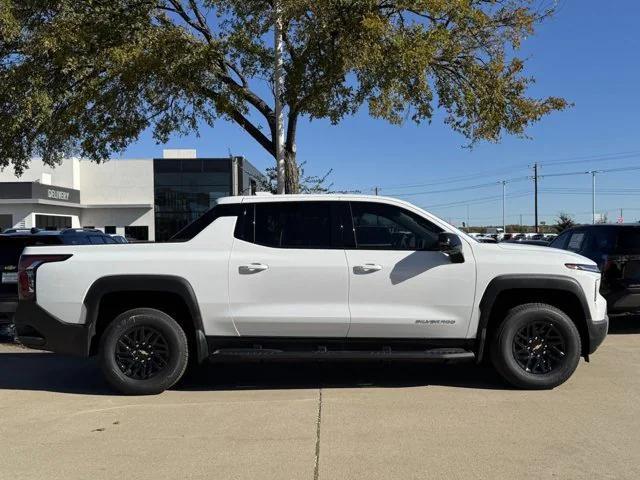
x=86, y=77
x=563, y=222
x=307, y=183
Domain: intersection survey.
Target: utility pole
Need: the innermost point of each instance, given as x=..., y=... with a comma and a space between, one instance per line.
x=278, y=86
x=468, y=221
x=375, y=191
x=535, y=195
x=504, y=225
x=593, y=194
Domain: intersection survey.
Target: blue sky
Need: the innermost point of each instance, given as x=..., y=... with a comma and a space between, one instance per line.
x=588, y=53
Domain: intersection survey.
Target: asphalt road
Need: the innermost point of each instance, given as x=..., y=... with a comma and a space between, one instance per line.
x=332, y=421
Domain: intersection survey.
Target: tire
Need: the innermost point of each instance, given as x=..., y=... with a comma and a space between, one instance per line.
x=537, y=347
x=143, y=352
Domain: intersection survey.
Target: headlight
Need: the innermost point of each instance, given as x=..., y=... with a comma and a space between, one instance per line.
x=583, y=267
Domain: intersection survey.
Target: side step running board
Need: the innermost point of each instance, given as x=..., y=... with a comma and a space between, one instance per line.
x=448, y=355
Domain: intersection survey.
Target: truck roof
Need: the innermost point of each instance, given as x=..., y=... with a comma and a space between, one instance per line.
x=312, y=197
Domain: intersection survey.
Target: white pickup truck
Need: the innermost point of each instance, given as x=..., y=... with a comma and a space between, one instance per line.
x=312, y=277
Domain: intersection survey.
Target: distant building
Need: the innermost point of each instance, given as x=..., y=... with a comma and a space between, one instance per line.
x=146, y=199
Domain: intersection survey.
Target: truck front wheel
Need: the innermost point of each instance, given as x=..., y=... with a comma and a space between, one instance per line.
x=143, y=352
x=536, y=347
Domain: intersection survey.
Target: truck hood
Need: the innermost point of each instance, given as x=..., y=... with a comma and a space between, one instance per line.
x=538, y=250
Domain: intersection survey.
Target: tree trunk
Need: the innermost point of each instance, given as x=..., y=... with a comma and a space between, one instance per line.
x=292, y=174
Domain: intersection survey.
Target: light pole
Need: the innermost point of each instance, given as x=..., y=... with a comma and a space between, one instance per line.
x=504, y=225
x=278, y=88
x=535, y=196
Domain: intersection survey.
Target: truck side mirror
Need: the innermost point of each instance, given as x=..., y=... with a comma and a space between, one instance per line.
x=450, y=244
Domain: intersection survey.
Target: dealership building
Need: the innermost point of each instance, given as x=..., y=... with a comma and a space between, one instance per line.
x=142, y=199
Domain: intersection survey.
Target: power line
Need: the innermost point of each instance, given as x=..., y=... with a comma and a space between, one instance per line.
x=456, y=179
x=594, y=158
x=487, y=173
x=588, y=172
x=456, y=189
x=478, y=200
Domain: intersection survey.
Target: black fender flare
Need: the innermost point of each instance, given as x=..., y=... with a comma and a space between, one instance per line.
x=523, y=281
x=150, y=283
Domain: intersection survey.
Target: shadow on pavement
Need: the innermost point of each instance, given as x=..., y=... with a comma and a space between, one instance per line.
x=627, y=324
x=43, y=371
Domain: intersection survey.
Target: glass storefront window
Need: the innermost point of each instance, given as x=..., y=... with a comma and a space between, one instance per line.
x=186, y=188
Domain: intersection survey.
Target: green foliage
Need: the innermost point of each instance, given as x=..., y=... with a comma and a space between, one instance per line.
x=563, y=222
x=86, y=77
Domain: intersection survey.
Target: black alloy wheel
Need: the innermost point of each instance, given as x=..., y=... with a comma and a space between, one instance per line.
x=142, y=352
x=536, y=347
x=539, y=347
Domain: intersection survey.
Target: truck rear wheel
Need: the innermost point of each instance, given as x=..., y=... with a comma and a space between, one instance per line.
x=536, y=347
x=143, y=352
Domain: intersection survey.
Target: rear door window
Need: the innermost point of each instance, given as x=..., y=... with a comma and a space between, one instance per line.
x=576, y=241
x=295, y=225
x=601, y=240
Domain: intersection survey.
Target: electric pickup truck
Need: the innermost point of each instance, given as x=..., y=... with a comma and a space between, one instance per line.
x=312, y=277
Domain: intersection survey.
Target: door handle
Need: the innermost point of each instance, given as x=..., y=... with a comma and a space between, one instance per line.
x=367, y=268
x=252, y=268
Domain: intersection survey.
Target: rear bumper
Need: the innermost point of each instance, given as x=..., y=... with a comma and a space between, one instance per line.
x=598, y=330
x=36, y=328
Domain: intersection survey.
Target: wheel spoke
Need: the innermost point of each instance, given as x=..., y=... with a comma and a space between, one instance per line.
x=142, y=352
x=539, y=347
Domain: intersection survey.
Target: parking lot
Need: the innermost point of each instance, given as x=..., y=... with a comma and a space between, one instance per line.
x=327, y=420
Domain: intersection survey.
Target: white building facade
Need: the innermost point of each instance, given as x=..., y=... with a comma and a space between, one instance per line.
x=126, y=197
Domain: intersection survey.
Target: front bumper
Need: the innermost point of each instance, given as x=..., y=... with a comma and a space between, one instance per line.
x=36, y=328
x=598, y=330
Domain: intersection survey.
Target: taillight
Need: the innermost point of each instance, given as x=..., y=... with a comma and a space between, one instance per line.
x=27, y=267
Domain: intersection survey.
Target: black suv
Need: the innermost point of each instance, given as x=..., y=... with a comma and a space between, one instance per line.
x=13, y=241
x=616, y=250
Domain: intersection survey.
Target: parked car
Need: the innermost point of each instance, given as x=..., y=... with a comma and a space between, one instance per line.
x=529, y=241
x=118, y=238
x=12, y=243
x=526, y=241
x=486, y=239
x=312, y=276
x=616, y=251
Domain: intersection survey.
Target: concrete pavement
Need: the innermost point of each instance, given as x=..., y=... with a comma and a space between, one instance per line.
x=332, y=421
